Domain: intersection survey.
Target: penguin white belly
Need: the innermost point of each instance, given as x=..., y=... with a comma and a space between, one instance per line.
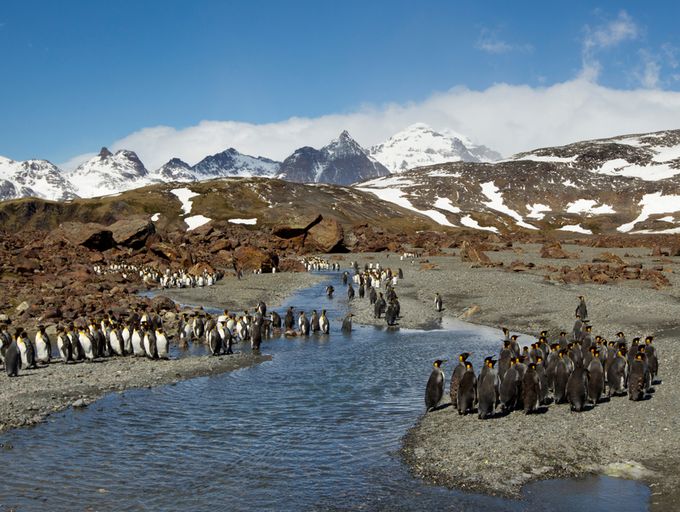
x=136, y=340
x=146, y=345
x=162, y=346
x=23, y=352
x=41, y=352
x=86, y=343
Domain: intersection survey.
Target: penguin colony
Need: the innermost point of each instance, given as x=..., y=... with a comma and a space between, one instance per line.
x=369, y=282
x=314, y=263
x=574, y=368
x=165, y=279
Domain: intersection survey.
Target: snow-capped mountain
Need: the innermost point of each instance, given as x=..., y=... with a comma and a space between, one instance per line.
x=233, y=163
x=650, y=156
x=109, y=173
x=37, y=178
x=342, y=162
x=420, y=145
x=174, y=170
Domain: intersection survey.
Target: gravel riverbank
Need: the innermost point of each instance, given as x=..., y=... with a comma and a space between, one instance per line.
x=498, y=456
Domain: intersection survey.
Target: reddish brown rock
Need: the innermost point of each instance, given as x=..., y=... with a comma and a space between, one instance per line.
x=472, y=252
x=250, y=258
x=608, y=257
x=165, y=250
x=90, y=235
x=327, y=236
x=132, y=232
x=554, y=250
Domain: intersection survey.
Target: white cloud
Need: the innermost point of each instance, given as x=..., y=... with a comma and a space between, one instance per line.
x=650, y=73
x=508, y=118
x=607, y=35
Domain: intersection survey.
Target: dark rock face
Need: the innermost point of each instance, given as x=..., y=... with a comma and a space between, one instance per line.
x=133, y=232
x=342, y=162
x=233, y=163
x=91, y=235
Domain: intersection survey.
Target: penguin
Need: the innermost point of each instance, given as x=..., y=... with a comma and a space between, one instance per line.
x=162, y=344
x=488, y=390
x=514, y=345
x=329, y=291
x=504, y=358
x=391, y=314
x=43, y=346
x=576, y=330
x=149, y=344
x=314, y=325
x=581, y=309
x=372, y=296
x=198, y=326
x=347, y=323
x=379, y=306
x=303, y=324
x=639, y=374
x=550, y=365
x=561, y=377
x=350, y=292
x=467, y=390
x=116, y=342
x=595, y=377
x=289, y=320
x=435, y=386
x=456, y=375
x=437, y=302
x=345, y=276
x=531, y=389
x=652, y=358
x=261, y=308
x=87, y=343
x=577, y=389
x=256, y=335
x=64, y=345
x=12, y=359
x=617, y=374
x=26, y=350
x=510, y=387
x=276, y=320
x=562, y=340
x=214, y=342
x=137, y=342
x=77, y=351
x=543, y=380
x=323, y=322
x=362, y=290
x=648, y=377
x=633, y=350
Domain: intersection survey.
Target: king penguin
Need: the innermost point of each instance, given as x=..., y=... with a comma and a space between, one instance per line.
x=12, y=359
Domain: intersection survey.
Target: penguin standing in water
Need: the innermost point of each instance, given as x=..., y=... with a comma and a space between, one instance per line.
x=303, y=324
x=256, y=335
x=314, y=322
x=43, y=346
x=577, y=389
x=276, y=320
x=323, y=322
x=467, y=391
x=347, y=323
x=329, y=291
x=438, y=302
x=639, y=374
x=435, y=386
x=289, y=319
x=595, y=377
x=12, y=359
x=372, y=296
x=350, y=292
x=531, y=389
x=488, y=390
x=457, y=374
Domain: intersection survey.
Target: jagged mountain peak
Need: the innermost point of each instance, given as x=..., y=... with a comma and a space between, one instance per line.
x=33, y=178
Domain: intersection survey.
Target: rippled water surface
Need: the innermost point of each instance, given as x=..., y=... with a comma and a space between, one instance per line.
x=316, y=428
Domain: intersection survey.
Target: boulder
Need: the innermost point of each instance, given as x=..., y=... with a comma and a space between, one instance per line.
x=165, y=250
x=247, y=258
x=554, y=250
x=296, y=226
x=90, y=235
x=132, y=232
x=471, y=252
x=327, y=236
x=161, y=302
x=200, y=267
x=608, y=257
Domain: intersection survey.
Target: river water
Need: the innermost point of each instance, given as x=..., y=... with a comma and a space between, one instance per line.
x=317, y=428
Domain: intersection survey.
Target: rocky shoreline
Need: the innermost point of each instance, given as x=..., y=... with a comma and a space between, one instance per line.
x=499, y=456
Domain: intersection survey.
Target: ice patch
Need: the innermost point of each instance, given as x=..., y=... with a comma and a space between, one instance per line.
x=443, y=174
x=185, y=196
x=252, y=222
x=667, y=218
x=444, y=203
x=554, y=159
x=651, y=204
x=490, y=190
x=196, y=221
x=667, y=154
x=155, y=217
x=396, y=196
x=588, y=206
x=536, y=210
x=576, y=228
x=569, y=183
x=469, y=222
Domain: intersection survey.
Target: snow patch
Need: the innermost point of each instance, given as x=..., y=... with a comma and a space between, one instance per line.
x=155, y=217
x=490, y=190
x=651, y=204
x=444, y=203
x=576, y=228
x=535, y=210
x=196, y=221
x=569, y=183
x=588, y=206
x=185, y=196
x=469, y=222
x=554, y=159
x=251, y=222
x=396, y=196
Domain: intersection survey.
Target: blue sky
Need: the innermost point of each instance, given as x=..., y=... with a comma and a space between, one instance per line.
x=78, y=75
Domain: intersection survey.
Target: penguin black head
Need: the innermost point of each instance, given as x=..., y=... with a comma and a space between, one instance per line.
x=554, y=347
x=642, y=348
x=490, y=362
x=638, y=356
x=589, y=328
x=563, y=333
x=532, y=366
x=506, y=344
x=514, y=337
x=438, y=363
x=468, y=365
x=539, y=359
x=543, y=339
x=505, y=330
x=636, y=340
x=649, y=339
x=544, y=333
x=620, y=334
x=463, y=357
